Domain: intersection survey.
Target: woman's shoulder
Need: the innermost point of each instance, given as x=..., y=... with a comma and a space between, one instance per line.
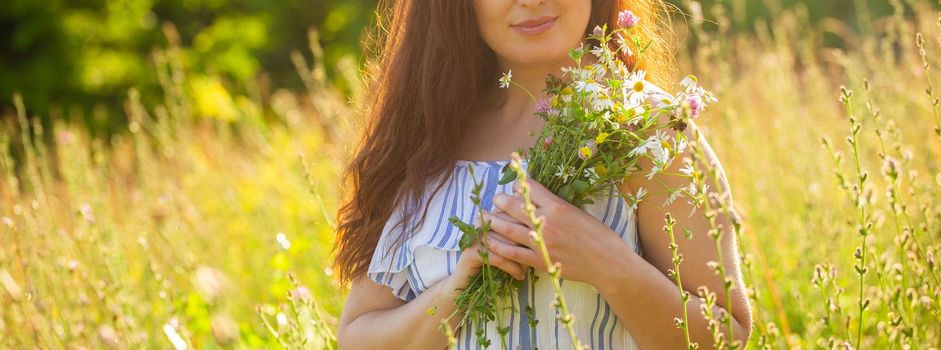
x=413, y=254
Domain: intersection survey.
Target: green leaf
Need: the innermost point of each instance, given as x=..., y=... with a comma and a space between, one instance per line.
x=465, y=241
x=583, y=201
x=464, y=227
x=580, y=187
x=567, y=193
x=470, y=232
x=575, y=54
x=508, y=175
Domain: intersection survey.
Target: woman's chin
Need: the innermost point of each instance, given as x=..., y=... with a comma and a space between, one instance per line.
x=541, y=56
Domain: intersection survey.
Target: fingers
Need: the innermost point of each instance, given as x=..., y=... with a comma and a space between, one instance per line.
x=510, y=229
x=539, y=194
x=515, y=269
x=520, y=254
x=514, y=207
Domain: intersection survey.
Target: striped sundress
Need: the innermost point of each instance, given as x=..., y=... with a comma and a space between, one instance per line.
x=432, y=253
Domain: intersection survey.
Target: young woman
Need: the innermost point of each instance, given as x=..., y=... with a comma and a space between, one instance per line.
x=437, y=110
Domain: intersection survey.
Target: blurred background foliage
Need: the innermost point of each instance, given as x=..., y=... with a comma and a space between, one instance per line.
x=198, y=145
x=82, y=56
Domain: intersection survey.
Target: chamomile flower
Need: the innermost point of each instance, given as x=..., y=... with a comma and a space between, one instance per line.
x=566, y=94
x=674, y=194
x=696, y=96
x=659, y=149
x=652, y=141
x=624, y=47
x=679, y=145
x=634, y=199
x=640, y=193
x=602, y=102
x=635, y=88
x=564, y=172
x=588, y=86
x=687, y=169
x=599, y=52
x=689, y=82
x=662, y=151
x=505, y=79
x=591, y=173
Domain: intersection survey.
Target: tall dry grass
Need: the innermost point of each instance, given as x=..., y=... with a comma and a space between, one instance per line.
x=185, y=230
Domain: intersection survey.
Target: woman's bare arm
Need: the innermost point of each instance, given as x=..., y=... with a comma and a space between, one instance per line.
x=375, y=319
x=645, y=288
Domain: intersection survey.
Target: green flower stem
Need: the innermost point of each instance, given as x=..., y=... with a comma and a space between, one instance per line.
x=861, y=267
x=684, y=295
x=554, y=269
x=920, y=42
x=716, y=232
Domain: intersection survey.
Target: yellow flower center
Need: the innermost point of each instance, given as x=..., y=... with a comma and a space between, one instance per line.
x=585, y=151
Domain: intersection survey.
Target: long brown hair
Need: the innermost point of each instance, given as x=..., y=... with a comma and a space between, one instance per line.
x=432, y=69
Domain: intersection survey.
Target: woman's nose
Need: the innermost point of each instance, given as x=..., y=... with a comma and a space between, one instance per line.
x=530, y=3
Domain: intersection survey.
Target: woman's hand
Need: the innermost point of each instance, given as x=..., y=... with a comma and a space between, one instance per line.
x=581, y=243
x=470, y=263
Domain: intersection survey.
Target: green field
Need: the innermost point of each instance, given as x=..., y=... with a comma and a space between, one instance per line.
x=185, y=229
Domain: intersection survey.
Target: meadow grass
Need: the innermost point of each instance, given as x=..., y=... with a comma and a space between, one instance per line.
x=186, y=231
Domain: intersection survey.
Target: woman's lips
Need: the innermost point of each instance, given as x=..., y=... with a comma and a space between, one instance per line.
x=535, y=26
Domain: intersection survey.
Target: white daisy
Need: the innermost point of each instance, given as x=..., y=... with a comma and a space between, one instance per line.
x=641, y=192
x=565, y=172
x=687, y=169
x=637, y=197
x=589, y=86
x=635, y=88
x=598, y=51
x=602, y=102
x=505, y=79
x=689, y=82
x=674, y=194
x=590, y=173
x=679, y=145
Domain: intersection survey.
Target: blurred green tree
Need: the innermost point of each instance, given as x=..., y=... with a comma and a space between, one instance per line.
x=84, y=55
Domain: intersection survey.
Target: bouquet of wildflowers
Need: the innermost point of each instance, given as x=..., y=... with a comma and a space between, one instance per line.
x=600, y=121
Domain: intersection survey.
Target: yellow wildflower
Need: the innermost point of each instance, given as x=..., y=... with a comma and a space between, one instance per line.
x=584, y=152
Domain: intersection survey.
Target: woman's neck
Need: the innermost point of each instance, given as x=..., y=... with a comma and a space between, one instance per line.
x=514, y=102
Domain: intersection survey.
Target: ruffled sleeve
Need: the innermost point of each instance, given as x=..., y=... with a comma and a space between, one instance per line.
x=432, y=250
x=387, y=266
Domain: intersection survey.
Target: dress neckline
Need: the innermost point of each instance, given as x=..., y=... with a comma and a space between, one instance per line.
x=500, y=162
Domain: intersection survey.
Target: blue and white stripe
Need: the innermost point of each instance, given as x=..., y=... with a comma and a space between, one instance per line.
x=431, y=254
